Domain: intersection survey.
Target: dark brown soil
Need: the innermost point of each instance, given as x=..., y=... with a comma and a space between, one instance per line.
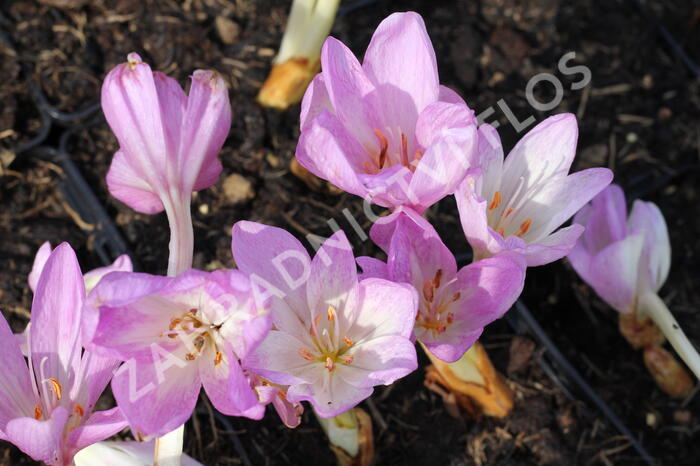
x=640, y=116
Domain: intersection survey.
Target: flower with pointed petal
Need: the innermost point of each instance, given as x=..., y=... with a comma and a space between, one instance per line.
x=176, y=335
x=47, y=409
x=518, y=204
x=334, y=338
x=455, y=305
x=622, y=258
x=121, y=264
x=387, y=130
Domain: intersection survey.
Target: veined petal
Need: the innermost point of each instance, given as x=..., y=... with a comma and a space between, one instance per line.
x=559, y=200
x=545, y=151
x=95, y=373
x=400, y=62
x=372, y=268
x=379, y=361
x=56, y=317
x=172, y=100
x=17, y=397
x=333, y=278
x=385, y=308
x=614, y=272
x=278, y=359
x=93, y=277
x=351, y=93
x=205, y=126
x=42, y=440
x=157, y=397
x=130, y=104
x=605, y=219
x=490, y=163
x=131, y=187
x=553, y=247
x=438, y=117
x=445, y=94
x=443, y=166
x=277, y=263
x=451, y=345
x=101, y=425
x=647, y=219
x=330, y=396
x=226, y=385
x=472, y=215
x=42, y=255
x=315, y=101
x=328, y=150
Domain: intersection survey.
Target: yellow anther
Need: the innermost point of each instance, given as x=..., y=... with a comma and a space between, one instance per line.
x=349, y=359
x=330, y=365
x=383, y=146
x=79, y=410
x=218, y=358
x=437, y=279
x=56, y=388
x=37, y=412
x=190, y=357
x=331, y=313
x=496, y=200
x=348, y=341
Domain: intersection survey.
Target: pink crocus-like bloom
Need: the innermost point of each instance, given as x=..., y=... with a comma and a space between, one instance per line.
x=121, y=264
x=176, y=335
x=386, y=130
x=455, y=305
x=518, y=204
x=46, y=409
x=334, y=337
x=168, y=143
x=622, y=258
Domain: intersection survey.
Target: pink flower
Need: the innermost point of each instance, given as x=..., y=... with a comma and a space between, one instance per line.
x=46, y=409
x=121, y=264
x=176, y=335
x=622, y=258
x=334, y=338
x=270, y=393
x=455, y=305
x=168, y=140
x=518, y=204
x=386, y=130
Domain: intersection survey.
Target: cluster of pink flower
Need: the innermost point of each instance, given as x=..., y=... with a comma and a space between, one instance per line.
x=283, y=327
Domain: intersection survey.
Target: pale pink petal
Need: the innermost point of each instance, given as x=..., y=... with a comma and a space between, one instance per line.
x=490, y=162
x=93, y=277
x=42, y=255
x=172, y=100
x=385, y=309
x=131, y=315
x=559, y=200
x=352, y=95
x=56, y=317
x=95, y=373
x=130, y=104
x=372, y=268
x=277, y=262
x=614, y=272
x=647, y=219
x=278, y=359
x=333, y=278
x=545, y=151
x=330, y=396
x=552, y=248
x=445, y=94
x=289, y=413
x=157, y=398
x=472, y=215
x=328, y=150
x=130, y=187
x=438, y=117
x=227, y=386
x=16, y=394
x=400, y=62
x=315, y=100
x=605, y=219
x=101, y=425
x=379, y=361
x=443, y=166
x=42, y=440
x=453, y=344
x=205, y=126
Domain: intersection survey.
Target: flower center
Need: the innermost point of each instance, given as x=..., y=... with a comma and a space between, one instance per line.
x=328, y=348
x=195, y=334
x=386, y=158
x=434, y=314
x=501, y=220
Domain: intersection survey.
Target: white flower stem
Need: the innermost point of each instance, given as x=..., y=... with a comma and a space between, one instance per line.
x=309, y=23
x=343, y=431
x=168, y=448
x=652, y=306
